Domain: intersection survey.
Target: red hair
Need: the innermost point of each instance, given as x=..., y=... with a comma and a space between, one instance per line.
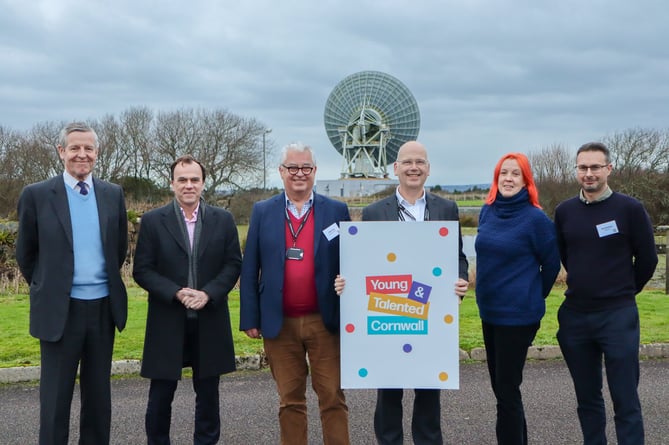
x=525, y=169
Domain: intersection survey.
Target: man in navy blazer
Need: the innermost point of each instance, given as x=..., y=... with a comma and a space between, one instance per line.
x=411, y=202
x=72, y=242
x=288, y=299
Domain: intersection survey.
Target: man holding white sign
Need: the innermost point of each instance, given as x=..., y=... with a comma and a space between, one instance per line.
x=409, y=203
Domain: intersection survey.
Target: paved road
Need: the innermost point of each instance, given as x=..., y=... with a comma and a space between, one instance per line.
x=249, y=406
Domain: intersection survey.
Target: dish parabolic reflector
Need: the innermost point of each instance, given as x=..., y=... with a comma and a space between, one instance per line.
x=368, y=116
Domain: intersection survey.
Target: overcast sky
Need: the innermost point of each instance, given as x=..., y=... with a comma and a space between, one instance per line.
x=489, y=76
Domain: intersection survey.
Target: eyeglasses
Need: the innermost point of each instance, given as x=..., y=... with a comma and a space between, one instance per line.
x=593, y=168
x=293, y=169
x=411, y=162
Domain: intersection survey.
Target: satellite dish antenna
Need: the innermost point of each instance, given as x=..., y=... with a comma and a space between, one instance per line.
x=368, y=116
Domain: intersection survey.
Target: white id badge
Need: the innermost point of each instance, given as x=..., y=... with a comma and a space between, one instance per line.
x=607, y=228
x=331, y=231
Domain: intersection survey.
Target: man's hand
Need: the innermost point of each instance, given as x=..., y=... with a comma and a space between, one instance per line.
x=461, y=287
x=339, y=284
x=253, y=333
x=192, y=298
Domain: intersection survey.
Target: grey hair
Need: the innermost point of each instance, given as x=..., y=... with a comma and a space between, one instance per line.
x=76, y=126
x=299, y=147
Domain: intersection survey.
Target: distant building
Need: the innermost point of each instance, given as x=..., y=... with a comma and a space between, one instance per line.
x=353, y=188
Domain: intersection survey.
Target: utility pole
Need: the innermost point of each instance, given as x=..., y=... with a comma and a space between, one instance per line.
x=265, y=132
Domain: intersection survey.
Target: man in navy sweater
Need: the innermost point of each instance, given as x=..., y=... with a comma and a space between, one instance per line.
x=608, y=249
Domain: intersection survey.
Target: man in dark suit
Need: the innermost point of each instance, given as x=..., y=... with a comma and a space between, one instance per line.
x=188, y=259
x=72, y=242
x=287, y=297
x=410, y=202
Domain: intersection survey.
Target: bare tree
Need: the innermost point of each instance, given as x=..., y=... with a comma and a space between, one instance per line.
x=37, y=153
x=641, y=168
x=553, y=168
x=10, y=181
x=137, y=148
x=112, y=161
x=638, y=150
x=230, y=150
x=175, y=133
x=554, y=162
x=136, y=124
x=229, y=146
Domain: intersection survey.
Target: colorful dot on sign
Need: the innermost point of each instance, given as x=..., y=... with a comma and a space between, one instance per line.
x=443, y=231
x=363, y=372
x=391, y=257
x=436, y=271
x=407, y=348
x=443, y=376
x=350, y=328
x=352, y=230
x=448, y=319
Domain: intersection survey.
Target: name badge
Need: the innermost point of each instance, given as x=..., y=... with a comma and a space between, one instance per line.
x=331, y=231
x=607, y=229
x=295, y=253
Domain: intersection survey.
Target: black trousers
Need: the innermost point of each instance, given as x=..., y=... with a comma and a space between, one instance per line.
x=425, y=420
x=506, y=351
x=207, y=407
x=87, y=342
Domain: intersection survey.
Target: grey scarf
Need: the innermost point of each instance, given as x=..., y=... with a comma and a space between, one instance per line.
x=192, y=252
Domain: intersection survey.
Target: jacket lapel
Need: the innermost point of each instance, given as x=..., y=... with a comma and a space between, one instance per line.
x=391, y=209
x=169, y=219
x=61, y=207
x=318, y=219
x=278, y=211
x=209, y=224
x=102, y=198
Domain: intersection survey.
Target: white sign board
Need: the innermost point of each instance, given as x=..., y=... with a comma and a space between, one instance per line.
x=399, y=311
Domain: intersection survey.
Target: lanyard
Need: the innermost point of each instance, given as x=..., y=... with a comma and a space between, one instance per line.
x=403, y=213
x=294, y=233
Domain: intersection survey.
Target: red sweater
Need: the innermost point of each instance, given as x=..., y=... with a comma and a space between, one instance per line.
x=299, y=281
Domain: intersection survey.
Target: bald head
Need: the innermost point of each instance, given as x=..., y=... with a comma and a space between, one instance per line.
x=412, y=169
x=412, y=149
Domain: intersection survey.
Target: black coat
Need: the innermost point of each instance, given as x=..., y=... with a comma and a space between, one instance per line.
x=161, y=267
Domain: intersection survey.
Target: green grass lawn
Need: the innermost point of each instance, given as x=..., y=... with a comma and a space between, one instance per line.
x=18, y=348
x=470, y=203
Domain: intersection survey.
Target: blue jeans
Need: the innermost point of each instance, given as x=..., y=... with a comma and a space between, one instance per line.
x=587, y=337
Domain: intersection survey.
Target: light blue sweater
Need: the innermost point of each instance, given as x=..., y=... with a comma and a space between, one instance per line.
x=90, y=275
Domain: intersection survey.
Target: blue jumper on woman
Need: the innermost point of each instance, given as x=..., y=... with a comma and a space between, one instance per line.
x=517, y=261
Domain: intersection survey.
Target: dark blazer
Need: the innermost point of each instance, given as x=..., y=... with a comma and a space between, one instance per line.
x=45, y=254
x=440, y=209
x=264, y=260
x=161, y=267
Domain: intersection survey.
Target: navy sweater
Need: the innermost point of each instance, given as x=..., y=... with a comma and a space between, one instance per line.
x=517, y=261
x=608, y=250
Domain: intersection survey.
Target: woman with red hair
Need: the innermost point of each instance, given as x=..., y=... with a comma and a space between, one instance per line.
x=517, y=261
